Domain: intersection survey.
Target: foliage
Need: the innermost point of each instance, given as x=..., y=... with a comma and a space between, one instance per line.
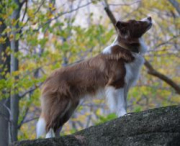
x=103, y=119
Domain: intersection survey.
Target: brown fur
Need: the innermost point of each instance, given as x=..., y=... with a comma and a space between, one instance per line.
x=64, y=88
x=69, y=84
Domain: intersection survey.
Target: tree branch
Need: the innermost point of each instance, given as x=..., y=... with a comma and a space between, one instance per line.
x=110, y=14
x=35, y=118
x=30, y=90
x=125, y=4
x=161, y=76
x=176, y=5
x=25, y=11
x=22, y=121
x=63, y=13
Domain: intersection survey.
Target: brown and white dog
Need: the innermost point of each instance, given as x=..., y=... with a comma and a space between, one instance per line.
x=112, y=72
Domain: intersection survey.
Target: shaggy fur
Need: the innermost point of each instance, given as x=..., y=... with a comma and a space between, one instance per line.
x=113, y=71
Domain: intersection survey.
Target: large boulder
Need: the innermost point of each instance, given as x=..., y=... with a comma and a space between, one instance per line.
x=156, y=127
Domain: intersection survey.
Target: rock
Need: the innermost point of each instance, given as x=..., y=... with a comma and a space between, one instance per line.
x=156, y=127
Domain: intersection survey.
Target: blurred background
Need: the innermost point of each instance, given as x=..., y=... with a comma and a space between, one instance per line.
x=38, y=36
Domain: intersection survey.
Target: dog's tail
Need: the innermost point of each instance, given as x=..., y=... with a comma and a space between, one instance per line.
x=41, y=127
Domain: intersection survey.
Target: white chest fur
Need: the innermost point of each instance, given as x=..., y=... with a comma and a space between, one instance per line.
x=133, y=70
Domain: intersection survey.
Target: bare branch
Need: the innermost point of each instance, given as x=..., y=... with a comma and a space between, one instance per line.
x=21, y=4
x=166, y=42
x=22, y=121
x=161, y=76
x=30, y=90
x=110, y=14
x=39, y=7
x=125, y=4
x=176, y=5
x=20, y=30
x=35, y=118
x=61, y=14
x=25, y=11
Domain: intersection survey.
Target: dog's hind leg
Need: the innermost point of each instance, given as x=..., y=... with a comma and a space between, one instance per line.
x=57, y=132
x=62, y=120
x=57, y=110
x=60, y=112
x=41, y=127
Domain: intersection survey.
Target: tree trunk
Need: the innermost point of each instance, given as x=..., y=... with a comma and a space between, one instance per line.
x=4, y=114
x=4, y=124
x=157, y=127
x=14, y=102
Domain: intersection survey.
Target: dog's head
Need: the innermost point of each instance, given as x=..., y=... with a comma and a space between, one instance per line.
x=133, y=29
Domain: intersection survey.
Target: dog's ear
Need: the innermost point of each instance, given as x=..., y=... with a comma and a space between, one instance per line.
x=122, y=28
x=120, y=24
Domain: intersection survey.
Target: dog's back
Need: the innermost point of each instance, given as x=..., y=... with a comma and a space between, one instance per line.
x=65, y=87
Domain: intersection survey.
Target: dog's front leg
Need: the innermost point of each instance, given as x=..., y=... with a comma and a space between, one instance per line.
x=116, y=100
x=121, y=105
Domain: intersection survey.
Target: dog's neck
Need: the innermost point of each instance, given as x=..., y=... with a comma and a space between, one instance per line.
x=134, y=45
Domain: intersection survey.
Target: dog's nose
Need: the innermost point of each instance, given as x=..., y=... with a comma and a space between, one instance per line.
x=149, y=18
